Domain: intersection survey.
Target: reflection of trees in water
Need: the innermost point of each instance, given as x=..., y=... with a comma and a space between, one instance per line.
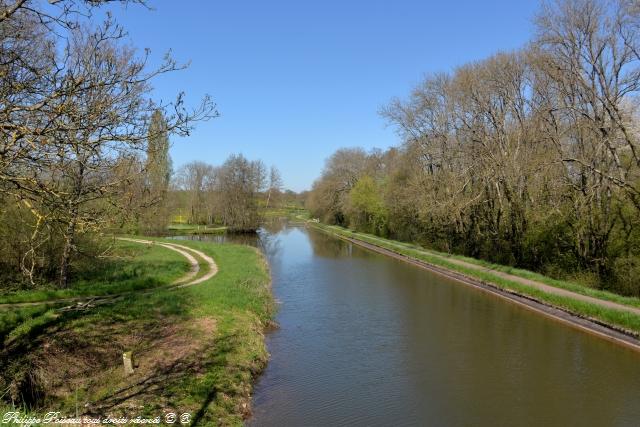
x=267, y=240
x=250, y=239
x=269, y=234
x=327, y=246
x=275, y=225
x=264, y=239
x=269, y=243
x=216, y=238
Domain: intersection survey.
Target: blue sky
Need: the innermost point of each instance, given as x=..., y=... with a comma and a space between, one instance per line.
x=295, y=80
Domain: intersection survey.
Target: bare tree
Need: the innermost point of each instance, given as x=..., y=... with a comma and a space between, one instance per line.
x=239, y=182
x=274, y=186
x=197, y=180
x=592, y=60
x=70, y=115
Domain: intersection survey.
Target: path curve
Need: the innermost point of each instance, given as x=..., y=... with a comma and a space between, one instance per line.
x=188, y=279
x=195, y=265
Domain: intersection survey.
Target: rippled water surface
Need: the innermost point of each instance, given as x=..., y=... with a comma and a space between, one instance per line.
x=368, y=340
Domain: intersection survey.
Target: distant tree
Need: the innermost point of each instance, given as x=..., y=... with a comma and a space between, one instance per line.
x=158, y=171
x=275, y=185
x=239, y=182
x=197, y=179
x=342, y=170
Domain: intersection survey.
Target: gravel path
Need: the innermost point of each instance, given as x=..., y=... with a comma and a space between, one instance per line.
x=547, y=288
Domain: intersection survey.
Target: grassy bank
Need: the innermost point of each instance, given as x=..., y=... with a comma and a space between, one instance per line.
x=129, y=267
x=196, y=229
x=290, y=212
x=629, y=322
x=197, y=349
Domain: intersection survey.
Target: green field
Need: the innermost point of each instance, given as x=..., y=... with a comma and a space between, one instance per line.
x=196, y=229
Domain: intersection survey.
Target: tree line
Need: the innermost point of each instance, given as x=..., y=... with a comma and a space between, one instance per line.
x=234, y=194
x=83, y=144
x=528, y=158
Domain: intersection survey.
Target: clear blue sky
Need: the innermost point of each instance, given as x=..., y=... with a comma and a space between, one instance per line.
x=295, y=80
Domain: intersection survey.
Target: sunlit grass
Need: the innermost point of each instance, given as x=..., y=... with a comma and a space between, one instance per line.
x=237, y=300
x=197, y=229
x=131, y=267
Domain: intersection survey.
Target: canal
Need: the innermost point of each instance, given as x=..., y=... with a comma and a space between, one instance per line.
x=369, y=340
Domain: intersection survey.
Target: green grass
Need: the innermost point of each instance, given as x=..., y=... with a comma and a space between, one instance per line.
x=237, y=300
x=132, y=267
x=181, y=226
x=291, y=212
x=616, y=318
x=11, y=319
x=197, y=229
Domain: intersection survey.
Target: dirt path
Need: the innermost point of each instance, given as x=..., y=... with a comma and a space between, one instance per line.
x=189, y=279
x=543, y=287
x=513, y=278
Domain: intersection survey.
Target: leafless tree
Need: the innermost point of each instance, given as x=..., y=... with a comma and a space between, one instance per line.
x=238, y=185
x=274, y=186
x=73, y=109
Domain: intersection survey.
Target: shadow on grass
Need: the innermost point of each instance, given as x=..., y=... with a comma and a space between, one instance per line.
x=93, y=338
x=194, y=373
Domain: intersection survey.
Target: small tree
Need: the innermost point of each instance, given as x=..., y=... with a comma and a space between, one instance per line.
x=275, y=185
x=366, y=206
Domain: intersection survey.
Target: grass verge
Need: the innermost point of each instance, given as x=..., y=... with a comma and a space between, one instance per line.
x=196, y=229
x=626, y=321
x=197, y=349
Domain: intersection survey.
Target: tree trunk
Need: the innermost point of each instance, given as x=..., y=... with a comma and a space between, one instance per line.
x=268, y=199
x=67, y=251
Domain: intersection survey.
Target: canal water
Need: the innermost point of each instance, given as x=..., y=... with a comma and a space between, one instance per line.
x=367, y=340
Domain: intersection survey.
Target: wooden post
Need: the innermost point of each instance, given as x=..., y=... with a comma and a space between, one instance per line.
x=127, y=359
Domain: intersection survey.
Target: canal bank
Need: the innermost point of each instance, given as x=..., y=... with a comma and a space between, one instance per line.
x=193, y=333
x=607, y=319
x=367, y=339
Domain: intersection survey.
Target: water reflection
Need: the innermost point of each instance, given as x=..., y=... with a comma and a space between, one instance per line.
x=266, y=238
x=329, y=247
x=369, y=340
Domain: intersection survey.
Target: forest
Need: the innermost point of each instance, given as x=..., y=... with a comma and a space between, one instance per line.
x=528, y=158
